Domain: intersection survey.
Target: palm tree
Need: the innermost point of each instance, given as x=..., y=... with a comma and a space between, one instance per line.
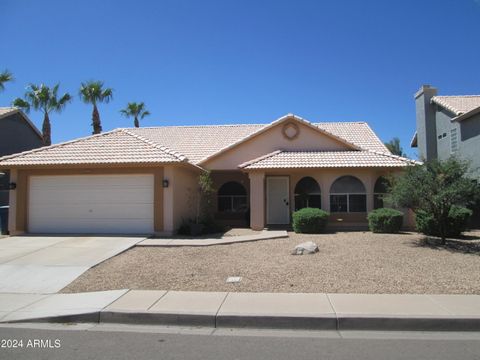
x=395, y=147
x=92, y=92
x=5, y=77
x=135, y=110
x=45, y=99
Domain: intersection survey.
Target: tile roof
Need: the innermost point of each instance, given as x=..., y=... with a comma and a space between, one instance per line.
x=200, y=142
x=114, y=147
x=326, y=159
x=458, y=104
x=176, y=143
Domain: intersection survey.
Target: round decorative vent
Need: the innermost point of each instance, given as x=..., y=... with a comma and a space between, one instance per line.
x=290, y=131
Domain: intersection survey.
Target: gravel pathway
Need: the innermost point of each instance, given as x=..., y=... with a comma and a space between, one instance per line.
x=348, y=262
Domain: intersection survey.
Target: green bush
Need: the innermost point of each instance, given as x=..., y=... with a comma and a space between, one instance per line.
x=385, y=220
x=457, y=222
x=309, y=220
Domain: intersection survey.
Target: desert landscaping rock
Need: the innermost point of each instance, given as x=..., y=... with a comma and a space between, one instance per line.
x=308, y=247
x=349, y=262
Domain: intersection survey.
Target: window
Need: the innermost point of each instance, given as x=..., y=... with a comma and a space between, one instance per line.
x=381, y=188
x=348, y=194
x=232, y=197
x=307, y=194
x=453, y=140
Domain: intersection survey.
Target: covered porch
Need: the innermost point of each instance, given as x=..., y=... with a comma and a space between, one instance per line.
x=260, y=199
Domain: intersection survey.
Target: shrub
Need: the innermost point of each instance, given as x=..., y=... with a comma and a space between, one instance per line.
x=309, y=220
x=457, y=222
x=385, y=220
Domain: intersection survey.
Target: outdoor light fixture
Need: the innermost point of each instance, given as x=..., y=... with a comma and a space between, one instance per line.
x=12, y=186
x=165, y=183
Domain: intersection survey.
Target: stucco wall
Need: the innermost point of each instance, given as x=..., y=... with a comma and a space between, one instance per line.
x=271, y=140
x=16, y=135
x=469, y=134
x=185, y=195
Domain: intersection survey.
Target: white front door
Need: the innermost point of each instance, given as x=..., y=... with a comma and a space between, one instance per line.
x=91, y=204
x=278, y=201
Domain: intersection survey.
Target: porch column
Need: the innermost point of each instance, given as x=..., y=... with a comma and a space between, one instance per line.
x=257, y=200
x=370, y=185
x=12, y=211
x=168, y=201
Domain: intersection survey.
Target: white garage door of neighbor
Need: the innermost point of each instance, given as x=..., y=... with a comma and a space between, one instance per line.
x=91, y=204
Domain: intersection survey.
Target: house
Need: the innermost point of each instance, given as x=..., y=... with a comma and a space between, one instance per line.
x=17, y=133
x=145, y=180
x=448, y=126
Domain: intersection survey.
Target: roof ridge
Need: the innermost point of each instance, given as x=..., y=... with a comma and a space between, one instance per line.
x=163, y=148
x=32, y=151
x=260, y=158
x=194, y=126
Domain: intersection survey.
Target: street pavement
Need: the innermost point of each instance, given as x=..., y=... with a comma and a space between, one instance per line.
x=88, y=341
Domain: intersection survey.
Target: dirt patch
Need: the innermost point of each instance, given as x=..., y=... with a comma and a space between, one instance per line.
x=348, y=262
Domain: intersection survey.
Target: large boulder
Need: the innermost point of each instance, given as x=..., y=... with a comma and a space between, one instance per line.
x=308, y=247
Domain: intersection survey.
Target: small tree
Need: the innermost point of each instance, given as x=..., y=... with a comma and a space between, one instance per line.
x=435, y=187
x=395, y=147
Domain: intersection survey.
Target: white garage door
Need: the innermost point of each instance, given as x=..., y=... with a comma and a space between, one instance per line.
x=91, y=204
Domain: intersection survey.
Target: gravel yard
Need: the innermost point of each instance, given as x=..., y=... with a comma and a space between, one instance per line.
x=348, y=262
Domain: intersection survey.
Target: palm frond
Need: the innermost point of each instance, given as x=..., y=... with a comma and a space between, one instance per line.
x=5, y=76
x=22, y=104
x=145, y=113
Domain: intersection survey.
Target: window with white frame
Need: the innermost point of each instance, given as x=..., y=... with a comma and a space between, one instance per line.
x=232, y=197
x=347, y=194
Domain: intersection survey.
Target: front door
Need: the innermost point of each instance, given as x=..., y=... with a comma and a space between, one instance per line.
x=278, y=203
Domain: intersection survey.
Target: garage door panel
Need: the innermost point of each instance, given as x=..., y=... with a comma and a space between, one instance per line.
x=133, y=211
x=80, y=226
x=91, y=203
x=64, y=196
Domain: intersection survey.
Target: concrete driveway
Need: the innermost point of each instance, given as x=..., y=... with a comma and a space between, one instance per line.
x=46, y=264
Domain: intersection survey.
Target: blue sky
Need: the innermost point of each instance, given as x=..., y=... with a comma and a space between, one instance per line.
x=243, y=61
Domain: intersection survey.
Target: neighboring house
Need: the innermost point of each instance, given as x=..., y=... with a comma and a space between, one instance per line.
x=17, y=133
x=448, y=125
x=145, y=180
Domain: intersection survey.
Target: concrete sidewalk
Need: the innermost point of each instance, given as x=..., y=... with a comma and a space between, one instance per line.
x=251, y=310
x=168, y=242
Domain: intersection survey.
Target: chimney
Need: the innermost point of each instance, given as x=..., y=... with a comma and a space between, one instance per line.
x=426, y=123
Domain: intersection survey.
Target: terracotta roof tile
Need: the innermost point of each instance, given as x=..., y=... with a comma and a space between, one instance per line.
x=326, y=159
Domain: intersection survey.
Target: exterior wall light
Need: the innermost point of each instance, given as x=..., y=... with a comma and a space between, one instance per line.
x=165, y=183
x=12, y=186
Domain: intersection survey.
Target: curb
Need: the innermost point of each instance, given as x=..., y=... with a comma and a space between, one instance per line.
x=270, y=322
